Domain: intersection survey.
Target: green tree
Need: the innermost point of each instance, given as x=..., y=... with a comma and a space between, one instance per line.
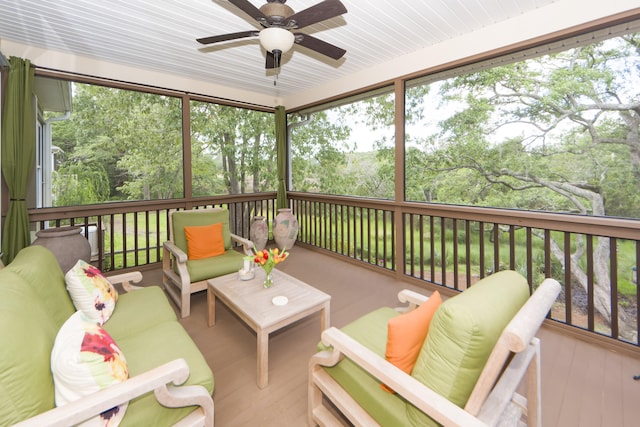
x=132, y=138
x=318, y=147
x=233, y=150
x=575, y=143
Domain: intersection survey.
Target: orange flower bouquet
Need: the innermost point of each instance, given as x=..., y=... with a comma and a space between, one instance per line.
x=267, y=259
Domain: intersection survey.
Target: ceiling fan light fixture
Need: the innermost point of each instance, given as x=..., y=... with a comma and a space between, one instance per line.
x=275, y=38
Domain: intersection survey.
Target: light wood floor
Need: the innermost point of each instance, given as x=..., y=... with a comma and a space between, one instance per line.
x=582, y=384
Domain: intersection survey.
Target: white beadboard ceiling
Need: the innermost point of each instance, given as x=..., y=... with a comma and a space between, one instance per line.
x=160, y=35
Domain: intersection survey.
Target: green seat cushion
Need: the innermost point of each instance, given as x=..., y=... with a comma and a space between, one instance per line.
x=202, y=269
x=47, y=281
x=371, y=331
x=28, y=334
x=164, y=342
x=137, y=311
x=462, y=335
x=181, y=219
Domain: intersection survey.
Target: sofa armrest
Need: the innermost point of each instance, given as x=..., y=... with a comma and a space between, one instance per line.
x=157, y=380
x=247, y=245
x=427, y=400
x=125, y=280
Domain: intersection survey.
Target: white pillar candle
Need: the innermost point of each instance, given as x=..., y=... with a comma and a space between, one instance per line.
x=247, y=265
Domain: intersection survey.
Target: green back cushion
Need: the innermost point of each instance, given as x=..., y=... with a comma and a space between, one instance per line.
x=462, y=335
x=138, y=311
x=386, y=408
x=47, y=281
x=181, y=219
x=26, y=383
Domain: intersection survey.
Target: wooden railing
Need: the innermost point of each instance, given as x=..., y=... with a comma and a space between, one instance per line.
x=441, y=246
x=357, y=228
x=455, y=246
x=131, y=234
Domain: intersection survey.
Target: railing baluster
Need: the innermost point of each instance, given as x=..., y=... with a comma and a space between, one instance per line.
x=529, y=250
x=421, y=228
x=567, y=277
x=467, y=230
x=481, y=242
x=590, y=285
x=635, y=278
x=547, y=253
x=512, y=247
x=443, y=250
x=613, y=271
x=496, y=248
x=454, y=230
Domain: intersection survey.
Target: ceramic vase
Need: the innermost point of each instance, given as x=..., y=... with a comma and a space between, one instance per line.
x=259, y=232
x=285, y=228
x=66, y=243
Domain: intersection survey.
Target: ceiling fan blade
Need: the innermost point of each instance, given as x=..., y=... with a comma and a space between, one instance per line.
x=319, y=46
x=252, y=11
x=316, y=13
x=226, y=37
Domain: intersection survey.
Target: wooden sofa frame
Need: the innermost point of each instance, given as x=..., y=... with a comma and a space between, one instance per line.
x=163, y=381
x=495, y=399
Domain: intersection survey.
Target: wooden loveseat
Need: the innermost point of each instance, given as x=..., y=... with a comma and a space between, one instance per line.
x=169, y=381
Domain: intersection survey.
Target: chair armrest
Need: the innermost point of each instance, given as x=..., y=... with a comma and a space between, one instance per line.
x=413, y=298
x=247, y=245
x=427, y=400
x=125, y=280
x=525, y=324
x=157, y=380
x=178, y=253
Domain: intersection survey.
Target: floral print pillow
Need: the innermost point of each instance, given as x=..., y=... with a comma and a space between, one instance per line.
x=91, y=292
x=84, y=360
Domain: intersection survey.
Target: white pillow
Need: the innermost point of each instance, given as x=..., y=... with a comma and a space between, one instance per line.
x=91, y=292
x=84, y=360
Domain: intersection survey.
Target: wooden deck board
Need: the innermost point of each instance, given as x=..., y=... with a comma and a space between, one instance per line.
x=582, y=384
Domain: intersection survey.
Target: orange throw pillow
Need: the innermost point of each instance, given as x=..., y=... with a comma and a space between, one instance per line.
x=204, y=241
x=406, y=334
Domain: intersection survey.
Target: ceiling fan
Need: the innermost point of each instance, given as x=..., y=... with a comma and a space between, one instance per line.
x=279, y=24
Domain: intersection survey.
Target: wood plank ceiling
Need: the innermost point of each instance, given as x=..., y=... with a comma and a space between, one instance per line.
x=160, y=35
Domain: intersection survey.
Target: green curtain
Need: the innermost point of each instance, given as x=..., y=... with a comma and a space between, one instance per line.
x=18, y=151
x=281, y=153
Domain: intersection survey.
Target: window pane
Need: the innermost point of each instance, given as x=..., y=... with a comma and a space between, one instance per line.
x=557, y=132
x=116, y=144
x=233, y=150
x=346, y=149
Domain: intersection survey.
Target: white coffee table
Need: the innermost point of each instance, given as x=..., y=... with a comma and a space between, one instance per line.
x=255, y=306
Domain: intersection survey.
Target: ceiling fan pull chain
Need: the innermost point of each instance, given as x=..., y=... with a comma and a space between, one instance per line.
x=276, y=62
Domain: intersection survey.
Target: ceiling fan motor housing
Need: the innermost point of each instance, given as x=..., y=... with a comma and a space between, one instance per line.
x=277, y=11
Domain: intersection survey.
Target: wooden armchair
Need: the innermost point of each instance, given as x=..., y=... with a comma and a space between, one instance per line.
x=183, y=276
x=349, y=370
